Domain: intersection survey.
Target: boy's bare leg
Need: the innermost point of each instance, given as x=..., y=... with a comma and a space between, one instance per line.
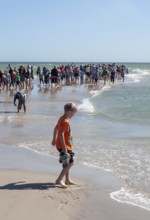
x=62, y=174
x=68, y=180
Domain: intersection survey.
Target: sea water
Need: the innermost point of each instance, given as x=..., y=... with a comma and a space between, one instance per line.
x=118, y=127
x=111, y=129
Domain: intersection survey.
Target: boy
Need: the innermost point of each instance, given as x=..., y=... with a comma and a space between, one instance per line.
x=21, y=96
x=62, y=138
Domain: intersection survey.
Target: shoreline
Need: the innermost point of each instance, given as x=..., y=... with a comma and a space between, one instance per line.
x=37, y=173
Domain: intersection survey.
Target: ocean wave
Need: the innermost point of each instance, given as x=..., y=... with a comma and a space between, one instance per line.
x=124, y=196
x=136, y=70
x=135, y=75
x=103, y=89
x=86, y=106
x=132, y=78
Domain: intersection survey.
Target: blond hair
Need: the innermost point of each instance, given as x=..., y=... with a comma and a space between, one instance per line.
x=70, y=107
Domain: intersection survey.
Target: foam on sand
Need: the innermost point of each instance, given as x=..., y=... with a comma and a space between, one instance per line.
x=127, y=197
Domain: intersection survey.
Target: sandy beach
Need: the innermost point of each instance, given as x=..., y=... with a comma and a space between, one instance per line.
x=75, y=94
x=27, y=177
x=28, y=190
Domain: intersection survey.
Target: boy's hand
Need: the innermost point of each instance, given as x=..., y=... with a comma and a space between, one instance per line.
x=53, y=142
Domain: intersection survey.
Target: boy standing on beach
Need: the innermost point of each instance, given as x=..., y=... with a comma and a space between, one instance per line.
x=62, y=138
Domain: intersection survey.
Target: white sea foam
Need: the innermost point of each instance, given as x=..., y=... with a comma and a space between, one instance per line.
x=127, y=197
x=145, y=73
x=103, y=89
x=23, y=145
x=86, y=106
x=136, y=75
x=11, y=118
x=106, y=88
x=140, y=71
x=95, y=92
x=1, y=118
x=137, y=70
x=132, y=78
x=96, y=166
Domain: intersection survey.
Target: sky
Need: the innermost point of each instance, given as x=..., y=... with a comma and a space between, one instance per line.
x=75, y=30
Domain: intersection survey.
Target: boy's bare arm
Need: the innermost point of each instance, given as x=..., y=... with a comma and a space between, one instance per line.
x=64, y=149
x=54, y=136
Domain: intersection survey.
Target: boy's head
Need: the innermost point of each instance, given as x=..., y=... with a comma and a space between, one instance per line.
x=70, y=109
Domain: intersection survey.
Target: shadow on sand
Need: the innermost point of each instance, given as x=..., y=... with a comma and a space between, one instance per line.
x=29, y=186
x=8, y=112
x=6, y=102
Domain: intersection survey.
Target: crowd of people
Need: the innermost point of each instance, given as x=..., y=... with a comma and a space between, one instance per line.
x=91, y=73
x=13, y=78
x=19, y=80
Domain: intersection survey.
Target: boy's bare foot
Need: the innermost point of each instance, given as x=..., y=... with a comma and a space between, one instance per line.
x=62, y=184
x=70, y=182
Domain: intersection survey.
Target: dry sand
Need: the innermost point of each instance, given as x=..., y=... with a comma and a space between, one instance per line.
x=27, y=195
x=28, y=190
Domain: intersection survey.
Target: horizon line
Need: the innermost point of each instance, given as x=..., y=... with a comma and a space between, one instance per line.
x=74, y=62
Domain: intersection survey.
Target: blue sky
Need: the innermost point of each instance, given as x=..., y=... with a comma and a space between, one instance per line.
x=75, y=30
